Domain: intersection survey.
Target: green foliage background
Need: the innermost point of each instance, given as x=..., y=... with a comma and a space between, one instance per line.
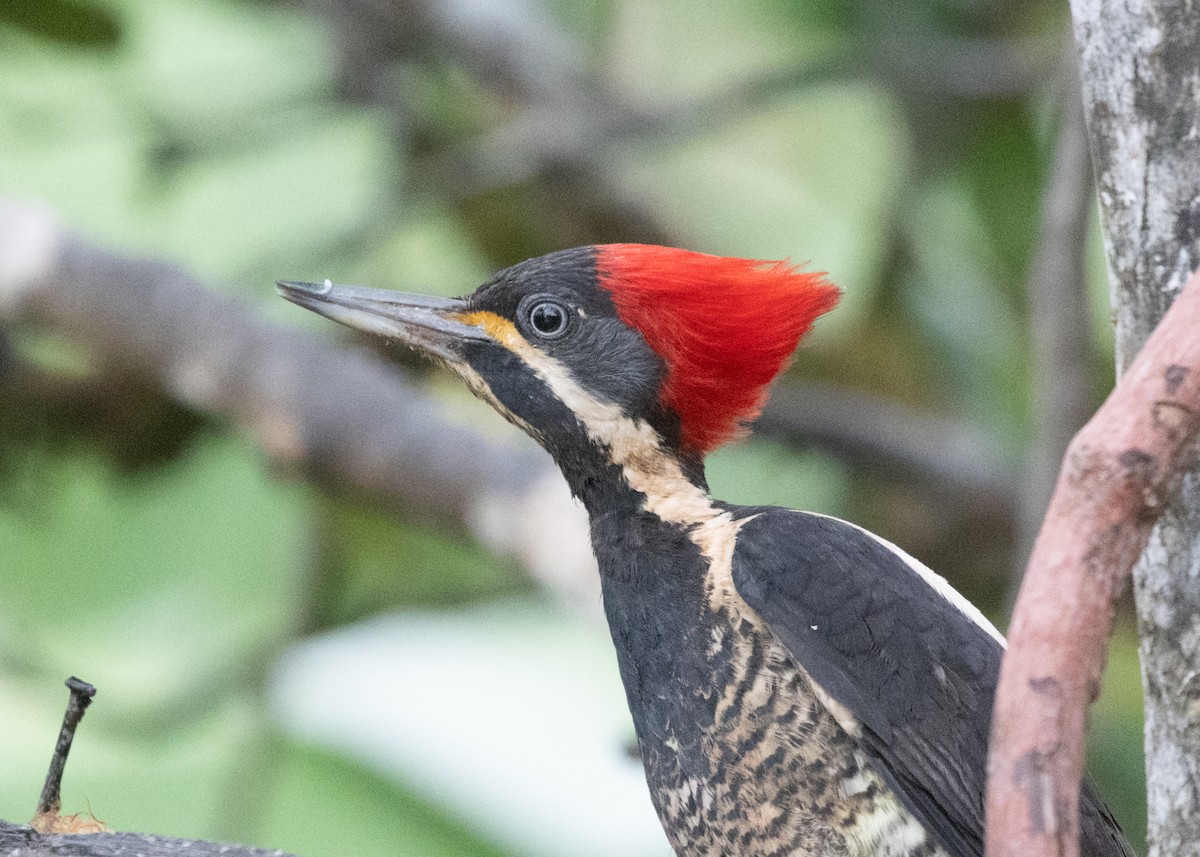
x=225, y=136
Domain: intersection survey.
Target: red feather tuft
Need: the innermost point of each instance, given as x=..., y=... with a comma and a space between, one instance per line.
x=725, y=327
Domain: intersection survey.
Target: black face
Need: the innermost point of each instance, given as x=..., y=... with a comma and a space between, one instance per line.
x=557, y=306
x=542, y=326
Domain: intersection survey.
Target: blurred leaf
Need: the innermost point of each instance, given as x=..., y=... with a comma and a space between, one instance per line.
x=760, y=472
x=290, y=195
x=151, y=587
x=429, y=251
x=809, y=15
x=954, y=291
x=591, y=20
x=222, y=61
x=680, y=48
x=814, y=178
x=63, y=22
x=448, y=103
x=307, y=801
x=64, y=135
x=884, y=354
x=1004, y=172
x=327, y=805
x=52, y=353
x=203, y=140
x=375, y=563
x=491, y=710
x=1103, y=321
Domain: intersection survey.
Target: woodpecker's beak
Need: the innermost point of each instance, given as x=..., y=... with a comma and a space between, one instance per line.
x=419, y=321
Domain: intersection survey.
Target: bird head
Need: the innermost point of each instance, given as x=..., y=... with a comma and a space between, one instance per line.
x=618, y=347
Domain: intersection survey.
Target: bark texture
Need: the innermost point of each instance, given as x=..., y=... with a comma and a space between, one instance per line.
x=1119, y=473
x=21, y=841
x=1141, y=73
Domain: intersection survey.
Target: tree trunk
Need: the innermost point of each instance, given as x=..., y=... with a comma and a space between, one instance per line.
x=1141, y=81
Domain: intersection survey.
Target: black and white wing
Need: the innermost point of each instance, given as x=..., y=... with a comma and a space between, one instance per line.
x=912, y=661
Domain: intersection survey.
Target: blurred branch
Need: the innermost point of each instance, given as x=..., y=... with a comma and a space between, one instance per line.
x=344, y=418
x=149, y=319
x=569, y=118
x=957, y=67
x=1060, y=322
x=889, y=439
x=133, y=421
x=21, y=841
x=512, y=44
x=946, y=490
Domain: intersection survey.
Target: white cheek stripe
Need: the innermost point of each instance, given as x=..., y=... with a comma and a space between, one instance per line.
x=634, y=445
x=648, y=469
x=670, y=495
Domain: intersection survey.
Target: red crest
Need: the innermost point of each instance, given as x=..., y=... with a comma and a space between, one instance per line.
x=725, y=327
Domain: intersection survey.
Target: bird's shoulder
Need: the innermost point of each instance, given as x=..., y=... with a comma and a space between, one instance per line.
x=912, y=661
x=833, y=590
x=909, y=658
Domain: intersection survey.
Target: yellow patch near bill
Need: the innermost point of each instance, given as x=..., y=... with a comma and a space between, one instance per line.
x=497, y=327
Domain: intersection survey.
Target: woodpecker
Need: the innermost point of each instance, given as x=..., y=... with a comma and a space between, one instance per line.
x=799, y=685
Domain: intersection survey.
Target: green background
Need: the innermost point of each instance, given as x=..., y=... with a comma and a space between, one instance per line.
x=228, y=137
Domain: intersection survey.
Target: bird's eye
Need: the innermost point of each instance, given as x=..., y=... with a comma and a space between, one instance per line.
x=548, y=319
